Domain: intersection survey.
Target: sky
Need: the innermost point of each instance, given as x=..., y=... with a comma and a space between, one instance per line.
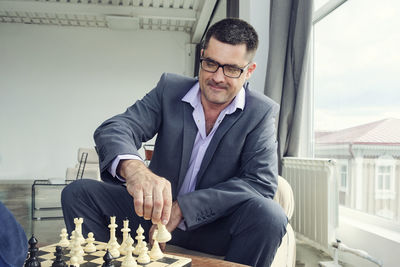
x=357, y=64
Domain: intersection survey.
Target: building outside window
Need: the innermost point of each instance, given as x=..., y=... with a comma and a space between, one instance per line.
x=356, y=102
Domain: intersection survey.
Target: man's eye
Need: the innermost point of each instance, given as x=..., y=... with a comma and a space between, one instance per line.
x=210, y=64
x=231, y=69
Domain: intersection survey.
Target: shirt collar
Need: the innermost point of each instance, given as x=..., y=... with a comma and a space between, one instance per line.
x=193, y=98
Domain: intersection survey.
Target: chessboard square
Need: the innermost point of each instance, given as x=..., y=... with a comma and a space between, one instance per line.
x=167, y=260
x=47, y=256
x=98, y=261
x=121, y=258
x=90, y=264
x=46, y=263
x=47, y=250
x=90, y=258
x=98, y=253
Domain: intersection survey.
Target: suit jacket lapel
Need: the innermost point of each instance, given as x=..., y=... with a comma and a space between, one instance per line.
x=226, y=124
x=189, y=135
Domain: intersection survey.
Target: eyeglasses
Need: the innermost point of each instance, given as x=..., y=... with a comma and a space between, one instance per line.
x=230, y=71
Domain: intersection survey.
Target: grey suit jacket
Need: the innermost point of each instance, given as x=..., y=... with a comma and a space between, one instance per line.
x=240, y=162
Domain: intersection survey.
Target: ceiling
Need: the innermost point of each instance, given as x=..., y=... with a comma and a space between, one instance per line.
x=189, y=16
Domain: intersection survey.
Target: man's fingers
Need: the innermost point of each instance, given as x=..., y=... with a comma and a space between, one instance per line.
x=167, y=196
x=162, y=246
x=148, y=205
x=138, y=202
x=158, y=203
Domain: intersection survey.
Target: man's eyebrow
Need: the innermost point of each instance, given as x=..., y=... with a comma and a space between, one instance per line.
x=229, y=65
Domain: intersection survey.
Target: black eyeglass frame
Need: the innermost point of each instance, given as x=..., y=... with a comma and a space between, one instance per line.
x=222, y=66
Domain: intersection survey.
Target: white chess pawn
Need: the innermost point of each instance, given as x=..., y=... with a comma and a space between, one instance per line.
x=71, y=243
x=163, y=235
x=64, y=238
x=155, y=252
x=143, y=255
x=90, y=247
x=129, y=260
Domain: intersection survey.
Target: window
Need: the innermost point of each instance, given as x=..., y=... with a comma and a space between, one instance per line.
x=343, y=178
x=356, y=100
x=384, y=179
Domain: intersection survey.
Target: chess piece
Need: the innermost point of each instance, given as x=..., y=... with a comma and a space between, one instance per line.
x=64, y=242
x=129, y=260
x=77, y=249
x=155, y=252
x=112, y=243
x=74, y=261
x=78, y=229
x=143, y=255
x=125, y=235
x=71, y=242
x=58, y=262
x=90, y=247
x=108, y=260
x=32, y=261
x=139, y=237
x=163, y=235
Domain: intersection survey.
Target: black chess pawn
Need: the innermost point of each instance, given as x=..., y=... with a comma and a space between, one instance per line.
x=108, y=260
x=32, y=260
x=59, y=262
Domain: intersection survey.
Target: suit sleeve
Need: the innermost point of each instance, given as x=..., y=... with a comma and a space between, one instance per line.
x=124, y=133
x=257, y=176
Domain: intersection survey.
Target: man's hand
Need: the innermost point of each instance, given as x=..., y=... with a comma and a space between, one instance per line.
x=175, y=219
x=151, y=193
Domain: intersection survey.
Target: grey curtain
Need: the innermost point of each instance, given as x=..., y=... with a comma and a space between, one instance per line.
x=290, y=27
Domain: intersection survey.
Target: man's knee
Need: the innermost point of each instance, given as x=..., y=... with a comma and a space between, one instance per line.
x=76, y=190
x=266, y=215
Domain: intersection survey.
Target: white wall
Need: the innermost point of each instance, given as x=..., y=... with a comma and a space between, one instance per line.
x=59, y=83
x=256, y=12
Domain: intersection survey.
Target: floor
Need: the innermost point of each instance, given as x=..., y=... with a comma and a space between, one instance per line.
x=16, y=196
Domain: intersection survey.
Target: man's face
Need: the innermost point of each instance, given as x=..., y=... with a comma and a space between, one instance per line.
x=218, y=90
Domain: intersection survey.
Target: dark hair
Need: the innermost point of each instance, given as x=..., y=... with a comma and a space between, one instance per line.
x=234, y=32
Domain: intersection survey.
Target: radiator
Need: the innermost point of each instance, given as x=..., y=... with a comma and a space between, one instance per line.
x=315, y=192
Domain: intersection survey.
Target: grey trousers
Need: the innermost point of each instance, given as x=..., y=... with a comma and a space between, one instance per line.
x=250, y=234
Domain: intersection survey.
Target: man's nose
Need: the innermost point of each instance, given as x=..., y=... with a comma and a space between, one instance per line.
x=219, y=75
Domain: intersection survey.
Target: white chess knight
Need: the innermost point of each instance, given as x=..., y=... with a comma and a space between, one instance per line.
x=64, y=242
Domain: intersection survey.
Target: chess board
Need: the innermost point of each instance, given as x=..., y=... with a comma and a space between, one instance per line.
x=46, y=258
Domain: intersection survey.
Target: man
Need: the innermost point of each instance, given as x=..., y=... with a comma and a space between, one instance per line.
x=213, y=173
x=13, y=245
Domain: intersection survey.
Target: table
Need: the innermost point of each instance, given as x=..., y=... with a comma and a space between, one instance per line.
x=198, y=261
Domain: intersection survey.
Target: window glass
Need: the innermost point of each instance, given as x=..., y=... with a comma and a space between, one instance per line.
x=357, y=102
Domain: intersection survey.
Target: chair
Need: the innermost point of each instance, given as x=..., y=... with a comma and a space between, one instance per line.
x=286, y=253
x=87, y=166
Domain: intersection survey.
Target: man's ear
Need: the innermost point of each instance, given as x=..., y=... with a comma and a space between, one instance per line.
x=250, y=70
x=201, y=52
